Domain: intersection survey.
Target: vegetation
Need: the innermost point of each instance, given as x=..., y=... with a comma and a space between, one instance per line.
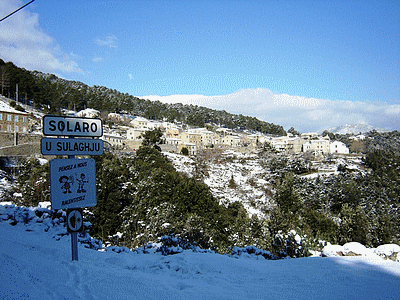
x=143, y=198
x=50, y=93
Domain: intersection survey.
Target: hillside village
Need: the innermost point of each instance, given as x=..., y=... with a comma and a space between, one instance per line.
x=178, y=136
x=125, y=132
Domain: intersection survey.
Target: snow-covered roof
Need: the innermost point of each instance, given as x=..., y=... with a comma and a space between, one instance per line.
x=5, y=107
x=88, y=113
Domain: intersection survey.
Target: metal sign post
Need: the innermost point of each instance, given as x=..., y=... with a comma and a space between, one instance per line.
x=74, y=234
x=74, y=225
x=72, y=180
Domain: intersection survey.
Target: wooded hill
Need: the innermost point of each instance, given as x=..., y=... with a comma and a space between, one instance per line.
x=51, y=94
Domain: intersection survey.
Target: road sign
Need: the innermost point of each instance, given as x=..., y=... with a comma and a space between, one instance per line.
x=74, y=220
x=59, y=146
x=72, y=183
x=72, y=126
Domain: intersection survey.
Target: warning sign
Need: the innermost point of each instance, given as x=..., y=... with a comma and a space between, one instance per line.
x=72, y=183
x=74, y=220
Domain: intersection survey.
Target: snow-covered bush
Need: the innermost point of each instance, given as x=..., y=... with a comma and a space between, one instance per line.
x=40, y=218
x=252, y=251
x=290, y=244
x=171, y=244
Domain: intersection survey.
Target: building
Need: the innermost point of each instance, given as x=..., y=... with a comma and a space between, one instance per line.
x=114, y=139
x=191, y=138
x=135, y=133
x=190, y=146
x=231, y=140
x=339, y=147
x=172, y=132
x=12, y=120
x=139, y=122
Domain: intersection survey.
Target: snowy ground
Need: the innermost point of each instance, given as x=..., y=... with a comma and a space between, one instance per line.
x=35, y=263
x=246, y=171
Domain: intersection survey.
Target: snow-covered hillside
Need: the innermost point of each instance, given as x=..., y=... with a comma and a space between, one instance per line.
x=246, y=171
x=252, y=179
x=35, y=260
x=354, y=129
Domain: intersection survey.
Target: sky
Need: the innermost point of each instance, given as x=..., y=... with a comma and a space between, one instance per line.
x=35, y=263
x=308, y=64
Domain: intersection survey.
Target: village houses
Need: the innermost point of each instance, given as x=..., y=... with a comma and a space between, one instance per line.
x=194, y=139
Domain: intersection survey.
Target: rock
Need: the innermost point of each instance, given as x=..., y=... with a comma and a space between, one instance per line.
x=389, y=251
x=332, y=250
x=354, y=249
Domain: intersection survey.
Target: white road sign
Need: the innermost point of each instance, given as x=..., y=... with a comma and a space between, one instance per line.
x=72, y=126
x=71, y=146
x=72, y=183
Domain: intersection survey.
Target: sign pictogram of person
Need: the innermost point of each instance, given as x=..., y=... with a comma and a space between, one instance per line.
x=81, y=183
x=66, y=183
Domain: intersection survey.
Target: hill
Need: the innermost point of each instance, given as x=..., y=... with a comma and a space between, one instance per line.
x=354, y=129
x=51, y=94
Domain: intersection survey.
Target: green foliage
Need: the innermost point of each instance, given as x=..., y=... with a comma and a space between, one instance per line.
x=354, y=226
x=319, y=226
x=287, y=198
x=185, y=151
x=144, y=198
x=290, y=244
x=51, y=93
x=152, y=138
x=34, y=182
x=113, y=190
x=293, y=131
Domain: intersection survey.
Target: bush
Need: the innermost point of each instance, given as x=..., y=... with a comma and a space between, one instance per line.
x=290, y=244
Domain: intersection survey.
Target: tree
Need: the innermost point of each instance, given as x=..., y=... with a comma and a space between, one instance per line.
x=34, y=182
x=287, y=198
x=293, y=131
x=185, y=151
x=152, y=138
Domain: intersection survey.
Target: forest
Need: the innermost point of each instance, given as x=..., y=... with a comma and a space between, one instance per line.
x=51, y=94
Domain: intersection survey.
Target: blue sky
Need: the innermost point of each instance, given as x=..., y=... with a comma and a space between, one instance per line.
x=334, y=51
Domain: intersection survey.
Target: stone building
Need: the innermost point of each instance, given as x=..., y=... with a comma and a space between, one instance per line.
x=12, y=120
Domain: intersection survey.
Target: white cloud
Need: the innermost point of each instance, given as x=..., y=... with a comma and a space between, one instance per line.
x=109, y=41
x=24, y=43
x=305, y=114
x=97, y=59
x=130, y=76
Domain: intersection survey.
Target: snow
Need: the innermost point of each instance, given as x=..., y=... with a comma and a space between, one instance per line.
x=387, y=249
x=248, y=174
x=5, y=107
x=35, y=263
x=88, y=113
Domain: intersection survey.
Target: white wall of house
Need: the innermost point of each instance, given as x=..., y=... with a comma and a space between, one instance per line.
x=339, y=147
x=135, y=133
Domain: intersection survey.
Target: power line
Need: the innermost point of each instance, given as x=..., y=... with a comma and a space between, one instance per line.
x=16, y=10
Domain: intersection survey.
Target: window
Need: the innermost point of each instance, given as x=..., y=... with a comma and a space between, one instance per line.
x=24, y=119
x=1, y=117
x=16, y=118
x=9, y=117
x=9, y=128
x=16, y=128
x=24, y=129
